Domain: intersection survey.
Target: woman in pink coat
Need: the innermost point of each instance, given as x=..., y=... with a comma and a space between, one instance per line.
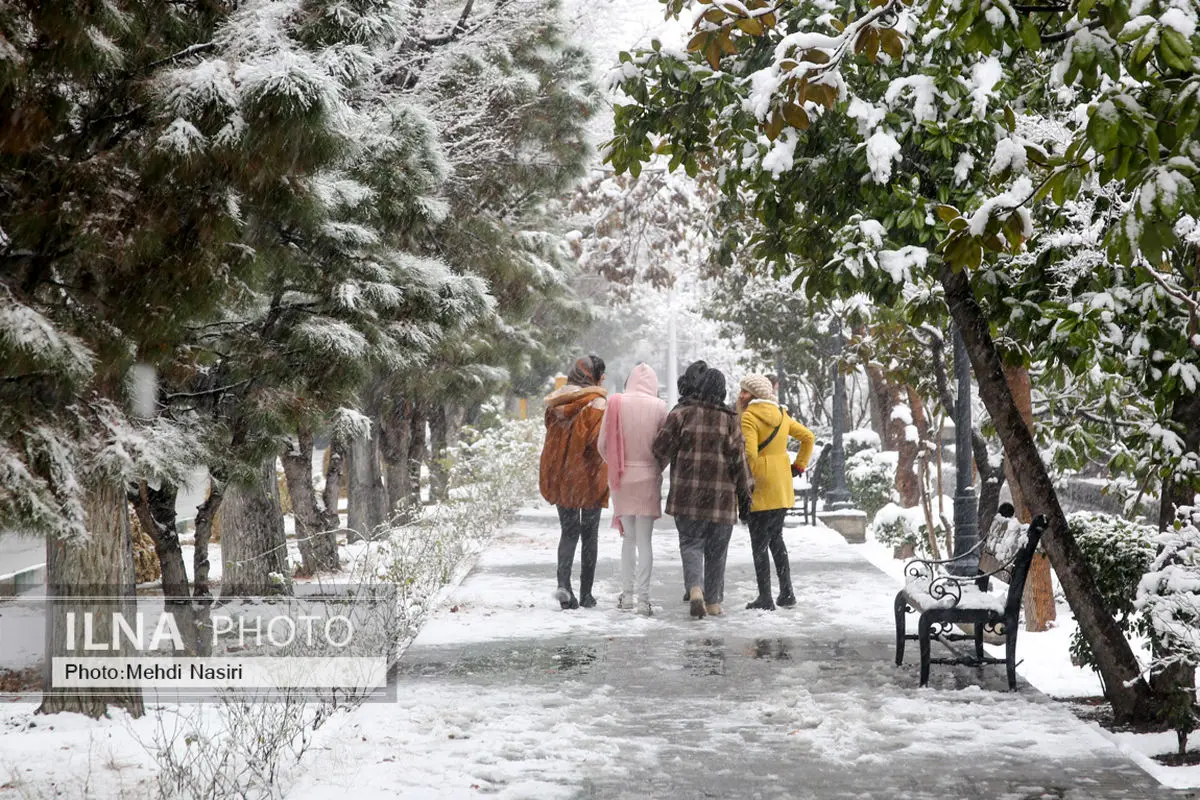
x=631, y=421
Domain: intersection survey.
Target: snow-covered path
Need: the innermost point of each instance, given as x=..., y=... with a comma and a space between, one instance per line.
x=503, y=693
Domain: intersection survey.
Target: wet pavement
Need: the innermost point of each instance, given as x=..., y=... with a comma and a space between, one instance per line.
x=801, y=703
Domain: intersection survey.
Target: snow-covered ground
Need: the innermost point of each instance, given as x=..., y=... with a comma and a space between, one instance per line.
x=502, y=692
x=1046, y=664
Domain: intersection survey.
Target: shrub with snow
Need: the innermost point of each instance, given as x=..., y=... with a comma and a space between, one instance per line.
x=870, y=477
x=898, y=526
x=1169, y=596
x=859, y=440
x=1119, y=552
x=492, y=473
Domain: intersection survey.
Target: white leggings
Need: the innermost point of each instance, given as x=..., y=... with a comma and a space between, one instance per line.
x=636, y=542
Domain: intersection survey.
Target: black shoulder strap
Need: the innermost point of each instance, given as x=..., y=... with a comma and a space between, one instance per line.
x=762, y=445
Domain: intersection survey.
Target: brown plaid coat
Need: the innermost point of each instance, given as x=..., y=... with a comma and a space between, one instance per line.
x=704, y=446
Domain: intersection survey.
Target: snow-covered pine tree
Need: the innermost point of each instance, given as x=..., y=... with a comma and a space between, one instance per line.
x=510, y=98
x=114, y=240
x=338, y=296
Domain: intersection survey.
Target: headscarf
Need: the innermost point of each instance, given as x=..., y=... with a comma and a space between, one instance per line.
x=689, y=382
x=641, y=381
x=586, y=371
x=712, y=388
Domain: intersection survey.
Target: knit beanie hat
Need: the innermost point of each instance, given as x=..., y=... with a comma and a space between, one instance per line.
x=758, y=386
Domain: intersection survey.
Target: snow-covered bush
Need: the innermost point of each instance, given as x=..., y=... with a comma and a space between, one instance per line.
x=492, y=474
x=856, y=441
x=1119, y=552
x=870, y=477
x=246, y=749
x=898, y=526
x=1169, y=595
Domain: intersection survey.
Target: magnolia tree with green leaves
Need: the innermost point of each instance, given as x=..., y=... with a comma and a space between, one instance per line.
x=912, y=148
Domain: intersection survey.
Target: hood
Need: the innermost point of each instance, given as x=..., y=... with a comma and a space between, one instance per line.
x=642, y=381
x=568, y=401
x=765, y=411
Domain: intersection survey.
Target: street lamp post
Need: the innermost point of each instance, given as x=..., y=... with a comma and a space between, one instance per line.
x=838, y=496
x=672, y=353
x=966, y=528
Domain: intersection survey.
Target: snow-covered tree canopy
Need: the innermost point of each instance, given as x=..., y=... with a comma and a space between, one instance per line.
x=930, y=133
x=915, y=147
x=269, y=203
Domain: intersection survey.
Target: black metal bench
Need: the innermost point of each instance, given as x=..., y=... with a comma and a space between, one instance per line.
x=944, y=600
x=817, y=473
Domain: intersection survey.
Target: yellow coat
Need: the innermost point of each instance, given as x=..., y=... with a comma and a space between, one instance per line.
x=772, y=467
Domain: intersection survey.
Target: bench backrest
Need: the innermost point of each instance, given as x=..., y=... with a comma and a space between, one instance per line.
x=1020, y=567
x=818, y=471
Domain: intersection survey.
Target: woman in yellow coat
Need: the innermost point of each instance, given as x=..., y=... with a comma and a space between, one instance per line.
x=766, y=427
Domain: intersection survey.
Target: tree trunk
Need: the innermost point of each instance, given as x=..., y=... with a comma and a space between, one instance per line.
x=881, y=405
x=908, y=483
x=253, y=545
x=1039, y=587
x=331, y=495
x=317, y=542
x=1186, y=415
x=991, y=478
x=366, y=496
x=77, y=573
x=416, y=453
x=206, y=515
x=395, y=439
x=155, y=509
x=445, y=424
x=1130, y=695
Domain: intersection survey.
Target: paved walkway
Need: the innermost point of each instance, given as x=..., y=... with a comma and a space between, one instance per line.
x=504, y=694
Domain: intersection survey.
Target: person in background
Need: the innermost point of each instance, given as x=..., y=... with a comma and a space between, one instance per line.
x=710, y=486
x=631, y=422
x=688, y=383
x=766, y=427
x=573, y=476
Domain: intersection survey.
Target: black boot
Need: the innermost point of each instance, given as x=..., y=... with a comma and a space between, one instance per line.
x=783, y=568
x=762, y=603
x=566, y=598
x=588, y=551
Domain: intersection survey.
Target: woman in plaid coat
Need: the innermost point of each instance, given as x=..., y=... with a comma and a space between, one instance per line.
x=710, y=486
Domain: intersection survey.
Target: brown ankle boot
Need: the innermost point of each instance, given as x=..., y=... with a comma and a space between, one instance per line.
x=697, y=598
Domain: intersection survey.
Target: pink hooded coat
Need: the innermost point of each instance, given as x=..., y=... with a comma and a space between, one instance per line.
x=631, y=421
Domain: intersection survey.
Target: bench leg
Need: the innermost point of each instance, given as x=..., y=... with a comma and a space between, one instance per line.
x=1010, y=654
x=901, y=607
x=979, y=640
x=923, y=636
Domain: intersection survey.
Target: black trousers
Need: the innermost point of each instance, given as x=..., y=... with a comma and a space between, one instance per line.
x=766, y=535
x=578, y=523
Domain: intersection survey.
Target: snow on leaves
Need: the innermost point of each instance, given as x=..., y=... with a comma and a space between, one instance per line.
x=30, y=341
